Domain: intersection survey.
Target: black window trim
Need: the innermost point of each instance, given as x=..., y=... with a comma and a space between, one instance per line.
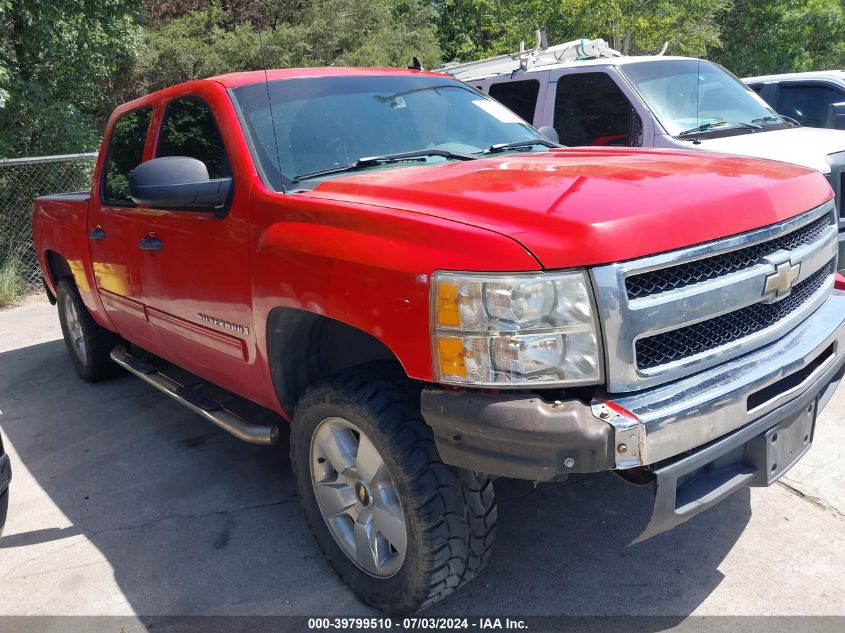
x=222, y=212
x=810, y=83
x=105, y=200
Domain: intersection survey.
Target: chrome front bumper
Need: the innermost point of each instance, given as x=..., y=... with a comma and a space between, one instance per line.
x=535, y=437
x=655, y=425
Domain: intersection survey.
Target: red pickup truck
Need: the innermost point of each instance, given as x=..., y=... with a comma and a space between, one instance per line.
x=435, y=295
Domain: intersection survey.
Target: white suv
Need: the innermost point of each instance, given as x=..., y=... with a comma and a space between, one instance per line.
x=653, y=101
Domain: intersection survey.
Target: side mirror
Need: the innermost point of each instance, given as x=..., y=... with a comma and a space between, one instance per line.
x=550, y=133
x=836, y=116
x=178, y=183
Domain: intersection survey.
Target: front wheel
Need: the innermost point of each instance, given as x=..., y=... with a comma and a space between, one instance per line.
x=400, y=527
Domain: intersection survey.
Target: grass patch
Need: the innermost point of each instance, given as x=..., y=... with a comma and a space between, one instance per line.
x=12, y=288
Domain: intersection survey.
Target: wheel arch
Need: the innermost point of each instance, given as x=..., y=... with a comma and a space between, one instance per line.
x=58, y=268
x=304, y=347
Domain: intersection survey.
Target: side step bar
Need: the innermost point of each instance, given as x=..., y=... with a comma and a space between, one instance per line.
x=196, y=401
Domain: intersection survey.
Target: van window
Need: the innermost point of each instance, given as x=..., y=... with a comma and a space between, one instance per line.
x=808, y=104
x=125, y=152
x=590, y=109
x=189, y=129
x=519, y=96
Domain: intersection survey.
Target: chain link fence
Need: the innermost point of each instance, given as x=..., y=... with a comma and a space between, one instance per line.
x=21, y=180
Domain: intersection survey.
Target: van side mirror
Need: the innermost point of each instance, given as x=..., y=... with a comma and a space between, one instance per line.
x=550, y=133
x=178, y=183
x=836, y=116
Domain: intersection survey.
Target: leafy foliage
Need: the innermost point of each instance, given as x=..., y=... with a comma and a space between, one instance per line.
x=325, y=33
x=472, y=28
x=60, y=58
x=763, y=37
x=64, y=64
x=12, y=288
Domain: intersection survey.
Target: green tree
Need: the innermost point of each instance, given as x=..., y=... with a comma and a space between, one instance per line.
x=473, y=28
x=63, y=60
x=762, y=36
x=325, y=33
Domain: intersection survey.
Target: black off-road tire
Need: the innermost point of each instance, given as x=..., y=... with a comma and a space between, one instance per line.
x=450, y=513
x=94, y=363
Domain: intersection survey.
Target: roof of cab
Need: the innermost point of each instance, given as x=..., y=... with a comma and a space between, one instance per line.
x=233, y=80
x=583, y=63
x=836, y=75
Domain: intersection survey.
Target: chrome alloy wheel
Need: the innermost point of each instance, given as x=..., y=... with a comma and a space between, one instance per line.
x=358, y=498
x=74, y=327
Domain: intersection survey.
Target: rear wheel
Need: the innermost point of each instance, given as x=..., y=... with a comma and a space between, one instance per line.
x=401, y=528
x=88, y=344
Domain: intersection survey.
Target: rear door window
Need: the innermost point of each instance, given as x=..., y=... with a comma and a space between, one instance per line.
x=590, y=109
x=125, y=153
x=189, y=129
x=519, y=96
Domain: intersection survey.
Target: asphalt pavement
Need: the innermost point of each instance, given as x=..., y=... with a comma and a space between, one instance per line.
x=125, y=503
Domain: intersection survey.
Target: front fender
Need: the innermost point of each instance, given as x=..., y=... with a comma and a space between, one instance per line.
x=369, y=267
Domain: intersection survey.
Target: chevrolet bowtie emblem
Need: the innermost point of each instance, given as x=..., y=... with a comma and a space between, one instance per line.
x=780, y=282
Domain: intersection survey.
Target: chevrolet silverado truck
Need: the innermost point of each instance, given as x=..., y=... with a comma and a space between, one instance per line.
x=433, y=295
x=593, y=95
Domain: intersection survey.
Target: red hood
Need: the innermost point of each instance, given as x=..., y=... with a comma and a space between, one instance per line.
x=584, y=206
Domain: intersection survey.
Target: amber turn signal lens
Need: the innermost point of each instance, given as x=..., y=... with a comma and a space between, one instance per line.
x=447, y=304
x=450, y=354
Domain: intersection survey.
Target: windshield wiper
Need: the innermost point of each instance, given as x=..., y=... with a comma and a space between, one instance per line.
x=771, y=118
x=780, y=118
x=371, y=161
x=504, y=147
x=706, y=127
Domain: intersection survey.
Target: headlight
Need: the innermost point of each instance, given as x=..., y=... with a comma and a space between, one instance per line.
x=497, y=330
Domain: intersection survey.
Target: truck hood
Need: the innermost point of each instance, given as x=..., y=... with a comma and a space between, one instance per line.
x=805, y=146
x=585, y=206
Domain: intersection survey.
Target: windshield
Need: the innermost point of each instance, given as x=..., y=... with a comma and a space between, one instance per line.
x=325, y=123
x=688, y=94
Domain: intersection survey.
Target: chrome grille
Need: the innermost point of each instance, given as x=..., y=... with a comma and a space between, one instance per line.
x=722, y=330
x=670, y=315
x=664, y=279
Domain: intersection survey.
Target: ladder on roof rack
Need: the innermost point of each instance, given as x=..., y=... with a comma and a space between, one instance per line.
x=540, y=55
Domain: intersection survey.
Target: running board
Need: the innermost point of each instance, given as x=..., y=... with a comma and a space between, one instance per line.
x=196, y=401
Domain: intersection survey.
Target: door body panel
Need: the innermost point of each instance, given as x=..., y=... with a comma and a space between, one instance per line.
x=197, y=288
x=111, y=225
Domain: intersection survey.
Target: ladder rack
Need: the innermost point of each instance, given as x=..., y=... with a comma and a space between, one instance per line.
x=540, y=55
